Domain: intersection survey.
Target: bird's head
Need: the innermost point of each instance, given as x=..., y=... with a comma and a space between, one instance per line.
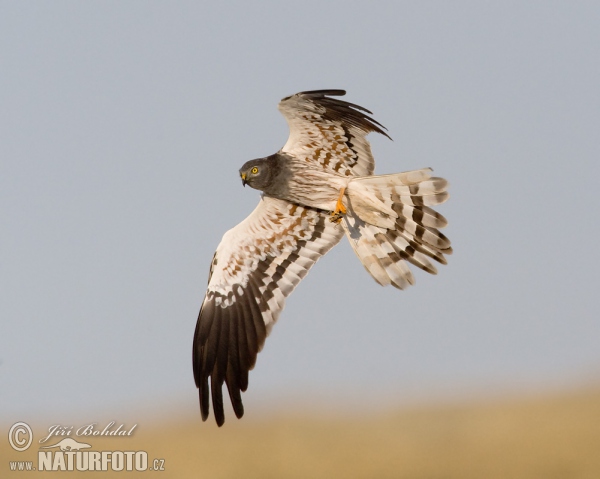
x=257, y=173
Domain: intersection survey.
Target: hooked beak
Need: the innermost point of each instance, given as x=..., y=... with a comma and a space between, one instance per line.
x=243, y=175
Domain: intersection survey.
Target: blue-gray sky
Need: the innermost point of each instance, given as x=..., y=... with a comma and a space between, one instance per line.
x=123, y=125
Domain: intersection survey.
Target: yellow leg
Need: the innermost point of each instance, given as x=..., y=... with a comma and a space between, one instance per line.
x=340, y=209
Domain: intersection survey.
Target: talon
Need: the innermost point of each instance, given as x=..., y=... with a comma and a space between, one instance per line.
x=336, y=217
x=340, y=209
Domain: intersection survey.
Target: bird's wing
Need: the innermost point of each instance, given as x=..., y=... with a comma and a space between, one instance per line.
x=256, y=266
x=329, y=133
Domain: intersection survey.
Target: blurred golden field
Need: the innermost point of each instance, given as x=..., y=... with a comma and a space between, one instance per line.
x=548, y=436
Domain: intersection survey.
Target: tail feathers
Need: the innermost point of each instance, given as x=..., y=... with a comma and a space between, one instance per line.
x=429, y=199
x=424, y=235
x=377, y=254
x=421, y=215
x=376, y=199
x=389, y=223
x=412, y=252
x=397, y=183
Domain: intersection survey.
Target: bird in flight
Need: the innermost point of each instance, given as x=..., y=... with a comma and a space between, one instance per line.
x=317, y=188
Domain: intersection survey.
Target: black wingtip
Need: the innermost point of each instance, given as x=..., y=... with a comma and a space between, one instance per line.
x=217, y=400
x=318, y=93
x=204, y=404
x=339, y=109
x=352, y=113
x=235, y=396
x=330, y=92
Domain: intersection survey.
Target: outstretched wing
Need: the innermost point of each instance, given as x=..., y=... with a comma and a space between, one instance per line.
x=256, y=266
x=329, y=132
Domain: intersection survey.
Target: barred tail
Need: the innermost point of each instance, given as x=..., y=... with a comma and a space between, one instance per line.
x=389, y=223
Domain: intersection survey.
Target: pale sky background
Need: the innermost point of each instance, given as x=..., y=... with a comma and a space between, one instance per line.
x=122, y=128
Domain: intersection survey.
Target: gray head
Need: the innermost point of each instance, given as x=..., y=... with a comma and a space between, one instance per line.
x=259, y=173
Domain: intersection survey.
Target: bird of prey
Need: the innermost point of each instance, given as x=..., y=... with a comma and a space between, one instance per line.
x=317, y=188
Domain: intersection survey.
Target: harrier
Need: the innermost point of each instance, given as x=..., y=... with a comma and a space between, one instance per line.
x=317, y=188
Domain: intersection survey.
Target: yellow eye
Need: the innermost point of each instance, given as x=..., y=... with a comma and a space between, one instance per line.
x=254, y=170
